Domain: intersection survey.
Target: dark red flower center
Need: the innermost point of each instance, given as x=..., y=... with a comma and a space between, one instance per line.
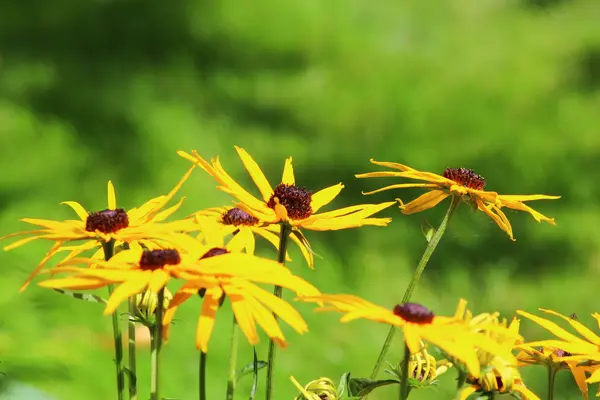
x=107, y=221
x=215, y=251
x=156, y=259
x=465, y=177
x=297, y=201
x=413, y=312
x=237, y=217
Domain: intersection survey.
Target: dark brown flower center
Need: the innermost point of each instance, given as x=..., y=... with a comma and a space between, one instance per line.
x=413, y=312
x=215, y=251
x=107, y=221
x=465, y=177
x=297, y=201
x=156, y=259
x=237, y=217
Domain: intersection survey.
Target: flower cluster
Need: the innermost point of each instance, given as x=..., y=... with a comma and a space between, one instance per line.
x=209, y=254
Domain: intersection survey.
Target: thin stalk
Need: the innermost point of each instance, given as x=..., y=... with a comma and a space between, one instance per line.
x=202, y=376
x=109, y=251
x=131, y=353
x=284, y=235
x=232, y=360
x=156, y=346
x=551, y=379
x=404, y=384
x=415, y=278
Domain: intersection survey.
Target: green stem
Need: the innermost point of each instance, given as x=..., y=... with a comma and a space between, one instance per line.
x=202, y=376
x=284, y=235
x=551, y=379
x=415, y=278
x=132, y=362
x=404, y=383
x=232, y=360
x=109, y=251
x=156, y=346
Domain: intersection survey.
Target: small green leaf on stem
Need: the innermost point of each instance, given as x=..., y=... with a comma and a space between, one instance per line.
x=363, y=386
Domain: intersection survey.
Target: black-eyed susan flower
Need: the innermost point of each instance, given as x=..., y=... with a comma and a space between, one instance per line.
x=221, y=274
x=319, y=389
x=244, y=227
x=135, y=270
x=419, y=324
x=505, y=379
x=144, y=225
x=461, y=182
x=288, y=202
x=582, y=355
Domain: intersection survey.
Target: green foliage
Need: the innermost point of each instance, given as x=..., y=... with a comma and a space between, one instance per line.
x=92, y=91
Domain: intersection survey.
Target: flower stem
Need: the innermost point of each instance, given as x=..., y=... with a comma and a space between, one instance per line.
x=232, y=360
x=284, y=235
x=551, y=379
x=156, y=346
x=415, y=278
x=202, y=376
x=131, y=353
x=404, y=389
x=109, y=251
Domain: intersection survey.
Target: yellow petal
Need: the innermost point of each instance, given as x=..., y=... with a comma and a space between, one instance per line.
x=288, y=173
x=579, y=376
x=552, y=327
x=424, y=202
x=125, y=290
x=469, y=390
x=78, y=208
x=256, y=173
x=527, y=394
x=498, y=217
x=112, y=198
x=271, y=238
x=579, y=327
x=402, y=186
x=37, y=269
x=392, y=165
x=304, y=249
x=244, y=317
x=158, y=280
x=516, y=205
x=529, y=197
x=74, y=283
x=325, y=196
x=244, y=239
x=266, y=320
x=307, y=395
x=206, y=322
x=595, y=377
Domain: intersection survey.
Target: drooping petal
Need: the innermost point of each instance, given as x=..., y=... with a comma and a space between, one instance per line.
x=516, y=205
x=498, y=217
x=325, y=196
x=125, y=290
x=206, y=321
x=243, y=315
x=424, y=202
x=288, y=173
x=112, y=198
x=158, y=280
x=579, y=376
x=402, y=186
x=256, y=174
x=37, y=269
x=552, y=327
x=78, y=208
x=266, y=321
x=304, y=247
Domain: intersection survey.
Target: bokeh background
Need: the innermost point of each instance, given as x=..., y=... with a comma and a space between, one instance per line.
x=110, y=89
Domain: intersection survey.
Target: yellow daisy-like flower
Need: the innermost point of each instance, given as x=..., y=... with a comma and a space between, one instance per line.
x=141, y=224
x=319, y=389
x=289, y=203
x=221, y=275
x=418, y=323
x=244, y=227
x=498, y=380
x=461, y=182
x=136, y=270
x=574, y=349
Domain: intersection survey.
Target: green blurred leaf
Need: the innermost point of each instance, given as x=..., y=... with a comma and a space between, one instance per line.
x=249, y=368
x=428, y=230
x=343, y=384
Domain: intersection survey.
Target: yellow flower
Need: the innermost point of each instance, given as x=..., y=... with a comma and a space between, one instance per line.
x=141, y=224
x=289, y=203
x=136, y=270
x=244, y=226
x=418, y=323
x=574, y=350
x=320, y=389
x=423, y=367
x=505, y=379
x=221, y=274
x=461, y=182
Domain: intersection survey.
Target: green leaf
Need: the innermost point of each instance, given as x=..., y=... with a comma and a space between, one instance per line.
x=342, y=385
x=82, y=296
x=254, y=375
x=249, y=368
x=131, y=375
x=361, y=387
x=427, y=230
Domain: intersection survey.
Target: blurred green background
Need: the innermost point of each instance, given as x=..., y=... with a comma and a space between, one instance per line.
x=110, y=89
